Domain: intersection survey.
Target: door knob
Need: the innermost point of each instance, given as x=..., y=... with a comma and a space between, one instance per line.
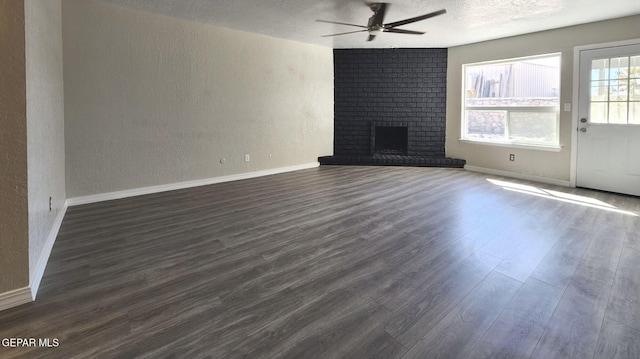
x=583, y=120
x=583, y=130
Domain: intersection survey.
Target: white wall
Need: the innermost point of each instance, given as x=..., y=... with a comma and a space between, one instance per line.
x=45, y=123
x=550, y=165
x=152, y=100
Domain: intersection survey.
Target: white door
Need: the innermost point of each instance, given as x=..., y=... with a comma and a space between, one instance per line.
x=609, y=120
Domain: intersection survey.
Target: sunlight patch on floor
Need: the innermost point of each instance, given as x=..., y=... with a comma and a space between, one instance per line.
x=560, y=196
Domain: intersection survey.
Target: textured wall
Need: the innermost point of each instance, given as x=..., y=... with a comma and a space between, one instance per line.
x=390, y=87
x=552, y=165
x=152, y=100
x=45, y=121
x=14, y=242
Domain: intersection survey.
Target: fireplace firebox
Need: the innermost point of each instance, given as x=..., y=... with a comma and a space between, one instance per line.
x=390, y=140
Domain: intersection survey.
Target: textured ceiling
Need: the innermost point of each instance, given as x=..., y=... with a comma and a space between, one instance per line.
x=466, y=21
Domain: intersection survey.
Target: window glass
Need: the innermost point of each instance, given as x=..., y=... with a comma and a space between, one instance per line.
x=615, y=91
x=517, y=100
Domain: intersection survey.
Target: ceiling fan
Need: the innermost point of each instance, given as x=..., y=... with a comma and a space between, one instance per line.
x=376, y=25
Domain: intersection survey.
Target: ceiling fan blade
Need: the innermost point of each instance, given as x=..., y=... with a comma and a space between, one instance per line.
x=371, y=37
x=379, y=9
x=400, y=31
x=344, y=33
x=414, y=19
x=341, y=23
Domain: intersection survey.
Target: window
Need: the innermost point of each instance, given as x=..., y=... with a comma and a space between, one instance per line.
x=515, y=101
x=615, y=91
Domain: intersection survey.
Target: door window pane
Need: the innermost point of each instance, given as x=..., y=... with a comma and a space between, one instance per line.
x=598, y=112
x=600, y=69
x=618, y=68
x=618, y=90
x=618, y=112
x=599, y=90
x=634, y=90
x=634, y=113
x=634, y=67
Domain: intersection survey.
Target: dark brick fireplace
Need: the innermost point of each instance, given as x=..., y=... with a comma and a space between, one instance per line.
x=400, y=90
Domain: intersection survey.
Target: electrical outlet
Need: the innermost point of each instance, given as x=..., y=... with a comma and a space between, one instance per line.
x=247, y=158
x=512, y=157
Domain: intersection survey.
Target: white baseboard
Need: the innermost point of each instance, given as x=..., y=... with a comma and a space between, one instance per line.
x=28, y=294
x=182, y=185
x=46, y=252
x=491, y=171
x=15, y=298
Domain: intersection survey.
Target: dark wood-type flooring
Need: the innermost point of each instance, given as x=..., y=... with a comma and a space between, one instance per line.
x=343, y=262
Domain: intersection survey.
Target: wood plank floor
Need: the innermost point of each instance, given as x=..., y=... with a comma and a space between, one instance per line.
x=343, y=262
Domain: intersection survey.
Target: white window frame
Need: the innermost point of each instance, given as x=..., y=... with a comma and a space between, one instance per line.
x=505, y=141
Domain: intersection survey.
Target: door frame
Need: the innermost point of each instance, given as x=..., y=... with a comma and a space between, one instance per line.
x=576, y=97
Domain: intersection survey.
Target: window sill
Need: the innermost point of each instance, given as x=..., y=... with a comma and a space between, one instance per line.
x=513, y=145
